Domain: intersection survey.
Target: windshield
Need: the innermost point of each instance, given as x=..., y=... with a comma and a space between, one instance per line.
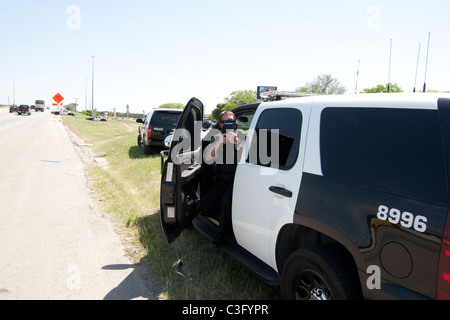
x=39, y=102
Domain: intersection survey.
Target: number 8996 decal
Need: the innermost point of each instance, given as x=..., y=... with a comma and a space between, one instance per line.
x=405, y=219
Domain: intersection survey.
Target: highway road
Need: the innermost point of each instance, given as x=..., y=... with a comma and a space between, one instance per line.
x=54, y=242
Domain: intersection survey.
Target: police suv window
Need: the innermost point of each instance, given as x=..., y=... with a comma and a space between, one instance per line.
x=167, y=118
x=398, y=151
x=277, y=138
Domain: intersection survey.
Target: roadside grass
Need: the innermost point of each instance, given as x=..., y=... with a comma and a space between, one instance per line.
x=128, y=189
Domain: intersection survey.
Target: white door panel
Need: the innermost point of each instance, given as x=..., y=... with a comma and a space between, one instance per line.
x=258, y=213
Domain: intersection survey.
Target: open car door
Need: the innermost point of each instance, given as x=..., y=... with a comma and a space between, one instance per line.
x=181, y=172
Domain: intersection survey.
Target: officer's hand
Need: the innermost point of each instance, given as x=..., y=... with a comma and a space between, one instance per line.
x=230, y=137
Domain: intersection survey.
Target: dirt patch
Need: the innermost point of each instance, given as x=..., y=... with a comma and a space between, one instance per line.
x=129, y=126
x=87, y=155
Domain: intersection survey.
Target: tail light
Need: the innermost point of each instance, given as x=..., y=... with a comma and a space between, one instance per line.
x=443, y=281
x=149, y=131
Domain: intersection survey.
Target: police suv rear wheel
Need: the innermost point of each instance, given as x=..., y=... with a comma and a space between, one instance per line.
x=317, y=274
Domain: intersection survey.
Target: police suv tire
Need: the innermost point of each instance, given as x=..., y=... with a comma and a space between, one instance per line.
x=318, y=273
x=147, y=149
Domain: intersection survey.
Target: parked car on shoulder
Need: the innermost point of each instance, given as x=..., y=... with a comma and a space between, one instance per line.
x=67, y=113
x=156, y=126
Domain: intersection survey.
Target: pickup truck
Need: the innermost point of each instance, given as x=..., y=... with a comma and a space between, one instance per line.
x=23, y=109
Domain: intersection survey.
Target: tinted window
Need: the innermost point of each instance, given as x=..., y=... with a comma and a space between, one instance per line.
x=394, y=150
x=444, y=115
x=169, y=118
x=277, y=138
x=244, y=120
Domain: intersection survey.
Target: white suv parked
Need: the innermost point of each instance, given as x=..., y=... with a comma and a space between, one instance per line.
x=348, y=199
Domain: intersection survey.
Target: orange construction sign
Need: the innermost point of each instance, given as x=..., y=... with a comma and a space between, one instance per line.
x=58, y=98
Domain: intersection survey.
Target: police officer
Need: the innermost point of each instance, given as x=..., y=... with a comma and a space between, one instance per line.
x=223, y=150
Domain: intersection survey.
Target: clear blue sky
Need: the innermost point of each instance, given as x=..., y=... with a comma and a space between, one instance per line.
x=153, y=52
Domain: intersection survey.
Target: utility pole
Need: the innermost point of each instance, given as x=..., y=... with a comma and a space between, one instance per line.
x=14, y=91
x=92, y=105
x=85, y=94
x=76, y=103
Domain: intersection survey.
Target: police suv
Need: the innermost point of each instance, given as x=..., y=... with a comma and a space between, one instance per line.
x=156, y=126
x=335, y=197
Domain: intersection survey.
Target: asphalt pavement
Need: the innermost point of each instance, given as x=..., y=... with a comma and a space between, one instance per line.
x=55, y=244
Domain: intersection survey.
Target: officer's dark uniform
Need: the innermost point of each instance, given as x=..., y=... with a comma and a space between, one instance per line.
x=219, y=196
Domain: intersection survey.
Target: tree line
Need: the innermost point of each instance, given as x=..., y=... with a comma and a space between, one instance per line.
x=321, y=84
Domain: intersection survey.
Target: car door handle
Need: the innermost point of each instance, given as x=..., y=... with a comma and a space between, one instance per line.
x=281, y=191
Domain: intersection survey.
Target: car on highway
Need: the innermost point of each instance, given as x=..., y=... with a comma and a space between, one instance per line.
x=40, y=105
x=24, y=109
x=156, y=126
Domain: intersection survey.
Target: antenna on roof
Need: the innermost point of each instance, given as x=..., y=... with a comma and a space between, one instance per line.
x=389, y=75
x=426, y=65
x=357, y=75
x=417, y=67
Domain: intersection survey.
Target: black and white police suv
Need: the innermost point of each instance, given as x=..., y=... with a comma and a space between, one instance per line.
x=156, y=126
x=335, y=197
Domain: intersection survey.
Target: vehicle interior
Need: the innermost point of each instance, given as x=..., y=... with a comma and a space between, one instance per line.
x=180, y=201
x=244, y=116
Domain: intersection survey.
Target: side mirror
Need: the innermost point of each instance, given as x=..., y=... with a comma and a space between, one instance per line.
x=139, y=120
x=168, y=140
